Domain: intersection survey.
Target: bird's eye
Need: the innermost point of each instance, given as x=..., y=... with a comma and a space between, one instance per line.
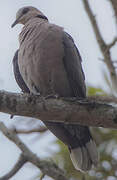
x=25, y=10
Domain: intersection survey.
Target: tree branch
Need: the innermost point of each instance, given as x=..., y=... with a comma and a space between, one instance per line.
x=112, y=43
x=114, y=6
x=67, y=110
x=105, y=48
x=16, y=168
x=48, y=168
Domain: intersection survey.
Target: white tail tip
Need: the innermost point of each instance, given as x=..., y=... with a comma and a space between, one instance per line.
x=84, y=157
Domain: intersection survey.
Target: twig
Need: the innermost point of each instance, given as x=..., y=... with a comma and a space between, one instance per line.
x=16, y=168
x=48, y=168
x=105, y=48
x=114, y=5
x=115, y=61
x=112, y=43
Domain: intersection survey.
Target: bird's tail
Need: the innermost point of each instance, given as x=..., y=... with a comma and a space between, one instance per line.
x=85, y=155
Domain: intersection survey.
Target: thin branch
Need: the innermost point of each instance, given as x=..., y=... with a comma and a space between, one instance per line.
x=16, y=168
x=114, y=6
x=48, y=168
x=112, y=43
x=115, y=61
x=105, y=48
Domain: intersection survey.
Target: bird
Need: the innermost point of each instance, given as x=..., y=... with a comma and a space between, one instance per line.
x=48, y=63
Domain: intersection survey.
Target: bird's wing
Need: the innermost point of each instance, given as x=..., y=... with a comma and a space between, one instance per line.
x=72, y=63
x=17, y=74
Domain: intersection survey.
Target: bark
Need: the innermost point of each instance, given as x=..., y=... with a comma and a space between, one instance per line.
x=91, y=112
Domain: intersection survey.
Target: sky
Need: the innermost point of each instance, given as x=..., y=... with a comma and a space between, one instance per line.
x=71, y=16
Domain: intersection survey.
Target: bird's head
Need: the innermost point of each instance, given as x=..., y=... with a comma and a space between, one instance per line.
x=26, y=13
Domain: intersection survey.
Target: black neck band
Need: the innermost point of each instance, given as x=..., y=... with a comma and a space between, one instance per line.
x=42, y=17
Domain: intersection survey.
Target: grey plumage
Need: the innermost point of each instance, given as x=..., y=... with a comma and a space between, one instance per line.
x=17, y=75
x=48, y=62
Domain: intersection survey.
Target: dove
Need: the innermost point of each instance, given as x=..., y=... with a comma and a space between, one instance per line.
x=49, y=63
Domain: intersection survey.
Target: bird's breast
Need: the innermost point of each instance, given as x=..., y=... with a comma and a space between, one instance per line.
x=41, y=60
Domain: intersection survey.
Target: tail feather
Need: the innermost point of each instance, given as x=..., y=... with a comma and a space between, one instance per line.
x=76, y=157
x=86, y=165
x=92, y=150
x=85, y=156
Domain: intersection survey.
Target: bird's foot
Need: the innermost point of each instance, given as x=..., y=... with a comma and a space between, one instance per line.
x=50, y=96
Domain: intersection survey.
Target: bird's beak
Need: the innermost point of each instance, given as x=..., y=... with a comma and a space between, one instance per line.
x=16, y=22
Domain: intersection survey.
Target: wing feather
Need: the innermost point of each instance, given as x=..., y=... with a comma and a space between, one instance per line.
x=17, y=74
x=72, y=63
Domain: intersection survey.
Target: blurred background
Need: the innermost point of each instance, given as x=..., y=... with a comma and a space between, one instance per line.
x=71, y=15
